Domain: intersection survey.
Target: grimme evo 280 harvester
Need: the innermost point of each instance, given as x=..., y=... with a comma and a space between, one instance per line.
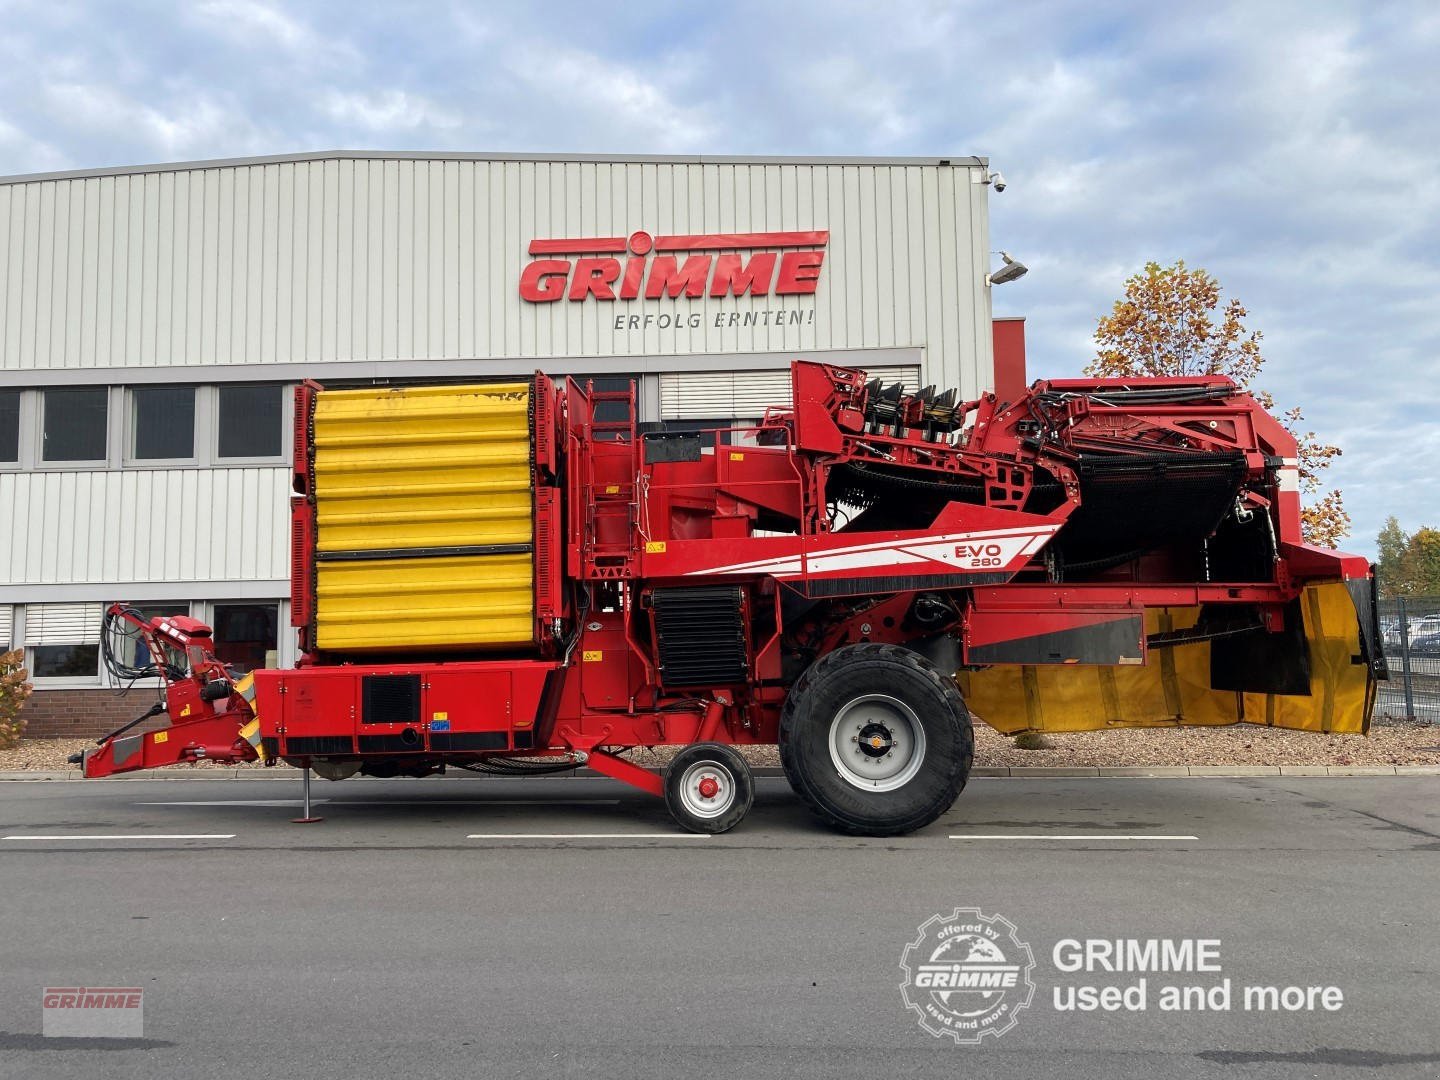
x=512, y=578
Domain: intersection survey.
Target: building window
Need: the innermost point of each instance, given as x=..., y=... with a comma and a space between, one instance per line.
x=246, y=635
x=131, y=649
x=9, y=425
x=75, y=425
x=611, y=412
x=65, y=661
x=64, y=640
x=250, y=421
x=710, y=430
x=162, y=423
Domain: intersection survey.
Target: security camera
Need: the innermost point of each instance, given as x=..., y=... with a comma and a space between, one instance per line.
x=998, y=181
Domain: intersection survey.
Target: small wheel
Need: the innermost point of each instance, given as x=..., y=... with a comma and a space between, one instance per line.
x=876, y=740
x=709, y=788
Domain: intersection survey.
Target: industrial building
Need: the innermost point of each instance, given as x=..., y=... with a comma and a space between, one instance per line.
x=154, y=319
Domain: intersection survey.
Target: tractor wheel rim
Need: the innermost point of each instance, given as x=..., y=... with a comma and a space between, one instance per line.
x=877, y=743
x=702, y=777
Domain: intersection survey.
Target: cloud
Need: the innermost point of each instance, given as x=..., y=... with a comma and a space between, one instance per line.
x=388, y=111
x=1289, y=148
x=608, y=96
x=258, y=22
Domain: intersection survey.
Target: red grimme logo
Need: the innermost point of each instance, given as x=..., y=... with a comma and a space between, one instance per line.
x=93, y=997
x=785, y=263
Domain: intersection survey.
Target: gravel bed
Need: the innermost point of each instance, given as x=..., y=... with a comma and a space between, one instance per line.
x=1390, y=743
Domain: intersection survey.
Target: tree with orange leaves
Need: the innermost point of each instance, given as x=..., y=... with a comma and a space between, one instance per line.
x=1166, y=324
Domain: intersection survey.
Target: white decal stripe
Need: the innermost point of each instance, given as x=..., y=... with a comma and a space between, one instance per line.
x=853, y=555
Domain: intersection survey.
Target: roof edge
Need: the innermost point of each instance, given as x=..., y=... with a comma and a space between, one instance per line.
x=959, y=161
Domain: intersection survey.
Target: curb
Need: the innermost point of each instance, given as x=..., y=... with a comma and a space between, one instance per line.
x=1031, y=772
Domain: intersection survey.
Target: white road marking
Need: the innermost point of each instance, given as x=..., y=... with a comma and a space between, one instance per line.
x=239, y=802
x=590, y=836
x=131, y=836
x=1073, y=836
x=393, y=802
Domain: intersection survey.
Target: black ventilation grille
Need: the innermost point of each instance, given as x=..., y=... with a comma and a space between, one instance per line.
x=700, y=635
x=390, y=699
x=319, y=744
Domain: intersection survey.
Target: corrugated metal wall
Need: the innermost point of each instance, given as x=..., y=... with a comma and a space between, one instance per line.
x=162, y=525
x=744, y=395
x=372, y=259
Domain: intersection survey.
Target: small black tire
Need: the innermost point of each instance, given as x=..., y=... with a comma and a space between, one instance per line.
x=899, y=704
x=709, y=788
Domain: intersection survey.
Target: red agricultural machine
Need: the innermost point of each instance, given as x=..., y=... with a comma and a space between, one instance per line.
x=514, y=578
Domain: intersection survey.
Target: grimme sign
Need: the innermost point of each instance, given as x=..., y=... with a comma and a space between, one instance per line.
x=610, y=268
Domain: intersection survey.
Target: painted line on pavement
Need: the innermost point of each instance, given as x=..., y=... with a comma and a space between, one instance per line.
x=390, y=802
x=1073, y=836
x=239, y=802
x=131, y=836
x=590, y=836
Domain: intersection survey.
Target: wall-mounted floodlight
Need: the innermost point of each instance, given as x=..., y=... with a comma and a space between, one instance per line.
x=1013, y=270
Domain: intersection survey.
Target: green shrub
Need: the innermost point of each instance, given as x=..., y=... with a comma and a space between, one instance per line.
x=13, y=692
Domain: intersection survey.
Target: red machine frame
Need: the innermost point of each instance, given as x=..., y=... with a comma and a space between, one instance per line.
x=628, y=525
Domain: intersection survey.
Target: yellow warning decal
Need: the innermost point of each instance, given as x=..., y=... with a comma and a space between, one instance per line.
x=162, y=736
x=612, y=489
x=590, y=656
x=736, y=457
x=440, y=716
x=251, y=734
x=185, y=711
x=654, y=547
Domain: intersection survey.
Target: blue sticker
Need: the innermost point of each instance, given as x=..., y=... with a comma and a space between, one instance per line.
x=439, y=725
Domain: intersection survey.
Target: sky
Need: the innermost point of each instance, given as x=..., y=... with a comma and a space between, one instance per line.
x=1293, y=150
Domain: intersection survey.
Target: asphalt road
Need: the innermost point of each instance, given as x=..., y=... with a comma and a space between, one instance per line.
x=392, y=940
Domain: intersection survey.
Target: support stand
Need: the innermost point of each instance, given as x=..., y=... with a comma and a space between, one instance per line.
x=307, y=818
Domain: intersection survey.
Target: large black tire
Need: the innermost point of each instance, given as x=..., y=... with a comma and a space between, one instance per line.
x=726, y=795
x=898, y=703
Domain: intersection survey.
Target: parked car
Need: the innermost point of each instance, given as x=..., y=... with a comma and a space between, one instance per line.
x=1425, y=645
x=1420, y=626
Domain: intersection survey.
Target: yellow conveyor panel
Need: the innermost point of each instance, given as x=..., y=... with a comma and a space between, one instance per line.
x=423, y=509
x=1173, y=688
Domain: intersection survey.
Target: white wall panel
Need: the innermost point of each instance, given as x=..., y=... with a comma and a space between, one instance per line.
x=367, y=259
x=744, y=395
x=142, y=525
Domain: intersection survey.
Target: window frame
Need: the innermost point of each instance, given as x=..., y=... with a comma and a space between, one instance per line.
x=110, y=682
x=286, y=423
x=66, y=682
x=73, y=464
x=20, y=633
x=119, y=404
x=282, y=623
x=129, y=459
x=14, y=462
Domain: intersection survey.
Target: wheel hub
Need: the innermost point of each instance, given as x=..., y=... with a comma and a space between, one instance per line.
x=707, y=789
x=877, y=742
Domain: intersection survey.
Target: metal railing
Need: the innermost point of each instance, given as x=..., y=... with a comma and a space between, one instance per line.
x=1410, y=629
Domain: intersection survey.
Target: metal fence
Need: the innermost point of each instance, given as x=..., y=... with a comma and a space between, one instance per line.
x=1410, y=627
